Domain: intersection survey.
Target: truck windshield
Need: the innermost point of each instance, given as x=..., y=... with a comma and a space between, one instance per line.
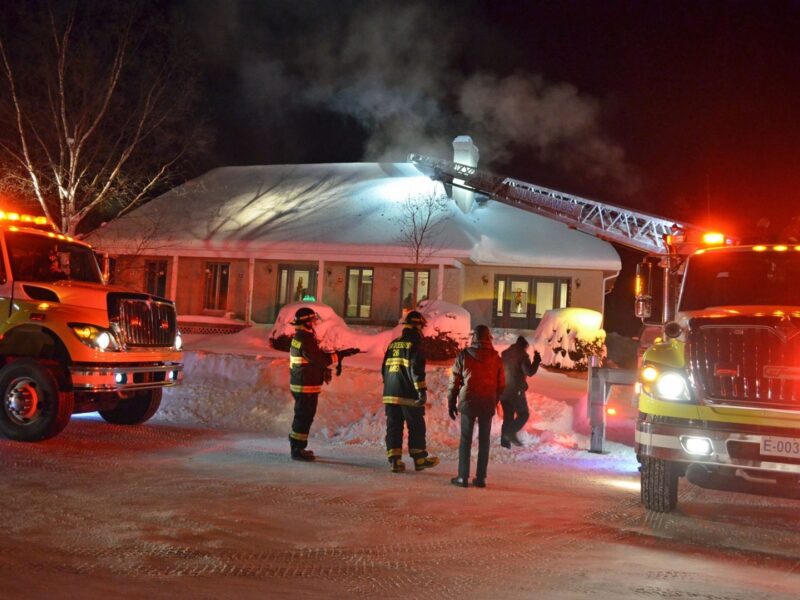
x=741, y=278
x=45, y=259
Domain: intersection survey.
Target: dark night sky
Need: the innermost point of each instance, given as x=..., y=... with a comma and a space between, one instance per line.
x=671, y=107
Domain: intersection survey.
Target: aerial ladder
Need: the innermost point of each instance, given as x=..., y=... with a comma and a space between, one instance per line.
x=667, y=240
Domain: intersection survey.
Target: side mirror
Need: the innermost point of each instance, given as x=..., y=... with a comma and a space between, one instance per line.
x=643, y=305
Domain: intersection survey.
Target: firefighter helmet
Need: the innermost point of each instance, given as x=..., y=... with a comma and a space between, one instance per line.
x=304, y=316
x=415, y=318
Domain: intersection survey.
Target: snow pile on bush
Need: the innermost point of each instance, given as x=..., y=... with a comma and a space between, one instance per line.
x=446, y=331
x=567, y=337
x=331, y=330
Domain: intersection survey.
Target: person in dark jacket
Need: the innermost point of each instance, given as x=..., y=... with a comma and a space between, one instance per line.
x=309, y=367
x=476, y=383
x=518, y=367
x=405, y=396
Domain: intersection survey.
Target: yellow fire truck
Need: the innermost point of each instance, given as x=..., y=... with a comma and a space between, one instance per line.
x=70, y=343
x=719, y=387
x=719, y=399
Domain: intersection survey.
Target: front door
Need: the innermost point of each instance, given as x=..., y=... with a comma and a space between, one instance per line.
x=512, y=297
x=297, y=283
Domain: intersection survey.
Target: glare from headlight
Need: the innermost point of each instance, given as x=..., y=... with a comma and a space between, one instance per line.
x=178, y=341
x=671, y=386
x=103, y=340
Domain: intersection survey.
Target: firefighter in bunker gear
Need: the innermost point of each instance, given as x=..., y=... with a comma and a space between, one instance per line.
x=476, y=383
x=405, y=396
x=308, y=365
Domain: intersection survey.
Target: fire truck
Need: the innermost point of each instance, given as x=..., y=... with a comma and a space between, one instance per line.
x=718, y=389
x=69, y=342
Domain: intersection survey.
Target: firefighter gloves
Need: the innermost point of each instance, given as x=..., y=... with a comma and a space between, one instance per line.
x=423, y=398
x=348, y=352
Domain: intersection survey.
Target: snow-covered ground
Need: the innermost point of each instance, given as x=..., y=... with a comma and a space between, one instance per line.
x=238, y=382
x=203, y=502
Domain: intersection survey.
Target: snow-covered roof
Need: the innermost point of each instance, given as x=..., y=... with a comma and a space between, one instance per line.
x=337, y=209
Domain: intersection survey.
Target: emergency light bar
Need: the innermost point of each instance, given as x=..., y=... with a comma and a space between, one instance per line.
x=25, y=220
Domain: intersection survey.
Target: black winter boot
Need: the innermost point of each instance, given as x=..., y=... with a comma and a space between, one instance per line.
x=302, y=454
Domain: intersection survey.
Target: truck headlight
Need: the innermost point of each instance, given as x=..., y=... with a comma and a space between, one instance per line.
x=666, y=385
x=178, y=341
x=94, y=337
x=672, y=386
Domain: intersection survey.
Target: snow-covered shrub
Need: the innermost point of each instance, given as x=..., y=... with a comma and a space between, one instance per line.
x=447, y=329
x=567, y=337
x=331, y=330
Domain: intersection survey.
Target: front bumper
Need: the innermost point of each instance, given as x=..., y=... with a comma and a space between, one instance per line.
x=733, y=445
x=122, y=377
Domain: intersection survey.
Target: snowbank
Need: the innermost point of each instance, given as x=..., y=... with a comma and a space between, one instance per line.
x=239, y=382
x=566, y=337
x=250, y=393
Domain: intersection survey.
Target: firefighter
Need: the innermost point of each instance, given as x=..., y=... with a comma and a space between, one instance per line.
x=476, y=383
x=309, y=367
x=518, y=367
x=405, y=396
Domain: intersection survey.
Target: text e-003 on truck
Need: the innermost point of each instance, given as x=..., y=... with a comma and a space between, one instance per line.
x=70, y=343
x=719, y=399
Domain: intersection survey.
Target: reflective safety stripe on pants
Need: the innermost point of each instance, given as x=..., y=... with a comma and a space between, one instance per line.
x=305, y=408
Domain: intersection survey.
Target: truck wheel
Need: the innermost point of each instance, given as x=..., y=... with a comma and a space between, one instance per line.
x=135, y=410
x=34, y=408
x=659, y=485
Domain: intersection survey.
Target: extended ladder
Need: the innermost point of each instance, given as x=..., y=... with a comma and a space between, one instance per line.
x=624, y=226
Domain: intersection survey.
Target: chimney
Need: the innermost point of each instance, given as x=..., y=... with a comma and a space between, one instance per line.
x=466, y=153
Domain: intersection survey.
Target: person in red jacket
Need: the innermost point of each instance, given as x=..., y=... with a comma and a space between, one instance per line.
x=476, y=383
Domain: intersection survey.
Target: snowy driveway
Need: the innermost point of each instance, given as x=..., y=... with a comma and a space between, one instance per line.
x=164, y=511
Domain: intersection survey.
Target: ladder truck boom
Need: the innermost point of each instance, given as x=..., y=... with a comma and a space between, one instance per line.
x=634, y=229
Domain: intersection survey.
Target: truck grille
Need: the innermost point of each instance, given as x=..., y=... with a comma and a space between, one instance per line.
x=750, y=362
x=143, y=321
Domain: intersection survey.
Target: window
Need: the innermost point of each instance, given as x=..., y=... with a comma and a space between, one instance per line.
x=358, y=299
x=155, y=277
x=216, y=296
x=407, y=289
x=44, y=259
x=522, y=301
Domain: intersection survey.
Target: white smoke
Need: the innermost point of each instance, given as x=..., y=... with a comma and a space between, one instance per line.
x=395, y=70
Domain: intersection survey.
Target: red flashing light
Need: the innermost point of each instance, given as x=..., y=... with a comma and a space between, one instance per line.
x=713, y=238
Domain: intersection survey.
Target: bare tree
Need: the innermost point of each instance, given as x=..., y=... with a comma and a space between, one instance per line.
x=96, y=114
x=420, y=224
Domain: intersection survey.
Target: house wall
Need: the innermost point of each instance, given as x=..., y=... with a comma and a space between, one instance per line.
x=129, y=271
x=462, y=286
x=192, y=281
x=478, y=295
x=265, y=291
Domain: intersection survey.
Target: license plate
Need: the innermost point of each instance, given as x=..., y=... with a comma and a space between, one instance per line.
x=780, y=446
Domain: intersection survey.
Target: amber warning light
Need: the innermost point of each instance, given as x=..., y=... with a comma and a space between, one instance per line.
x=24, y=219
x=713, y=238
